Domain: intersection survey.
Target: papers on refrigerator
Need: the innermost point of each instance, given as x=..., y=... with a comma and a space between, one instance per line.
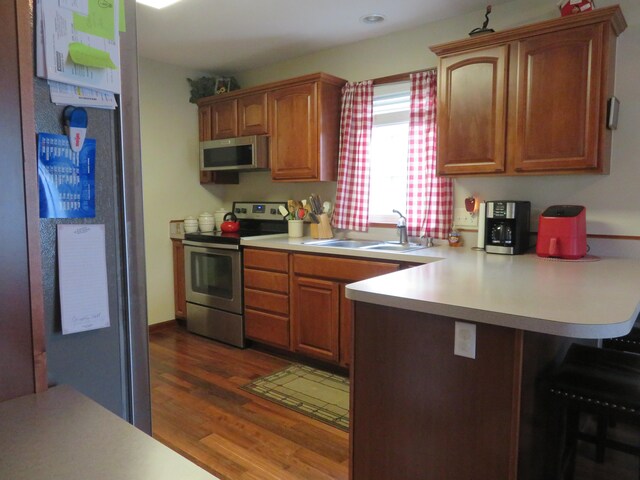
x=78, y=49
x=82, y=265
x=65, y=94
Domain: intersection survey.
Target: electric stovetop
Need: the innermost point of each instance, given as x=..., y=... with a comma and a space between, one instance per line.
x=255, y=218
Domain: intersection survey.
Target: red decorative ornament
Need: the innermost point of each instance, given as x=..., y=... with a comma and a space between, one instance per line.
x=571, y=7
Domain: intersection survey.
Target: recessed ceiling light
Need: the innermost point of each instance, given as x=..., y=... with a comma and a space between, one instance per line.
x=372, y=18
x=158, y=3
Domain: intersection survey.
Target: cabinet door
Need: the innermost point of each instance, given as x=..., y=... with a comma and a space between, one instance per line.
x=558, y=105
x=346, y=317
x=204, y=123
x=472, y=111
x=252, y=114
x=224, y=119
x=294, y=132
x=315, y=318
x=179, y=295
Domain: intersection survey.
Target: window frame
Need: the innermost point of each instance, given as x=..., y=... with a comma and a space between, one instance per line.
x=398, y=86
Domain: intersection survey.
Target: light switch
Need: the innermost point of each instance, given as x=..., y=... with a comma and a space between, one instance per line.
x=465, y=340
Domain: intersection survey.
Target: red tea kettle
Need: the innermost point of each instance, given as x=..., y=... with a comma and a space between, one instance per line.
x=230, y=223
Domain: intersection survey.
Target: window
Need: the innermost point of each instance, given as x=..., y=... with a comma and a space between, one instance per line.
x=388, y=152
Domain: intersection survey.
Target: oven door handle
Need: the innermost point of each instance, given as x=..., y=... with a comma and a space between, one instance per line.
x=212, y=246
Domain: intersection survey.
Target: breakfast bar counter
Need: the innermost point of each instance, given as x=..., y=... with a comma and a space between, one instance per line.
x=451, y=361
x=588, y=298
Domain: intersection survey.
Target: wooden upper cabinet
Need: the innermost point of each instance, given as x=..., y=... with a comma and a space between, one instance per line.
x=530, y=100
x=304, y=119
x=300, y=115
x=252, y=114
x=559, y=96
x=240, y=117
x=204, y=123
x=294, y=132
x=472, y=103
x=224, y=119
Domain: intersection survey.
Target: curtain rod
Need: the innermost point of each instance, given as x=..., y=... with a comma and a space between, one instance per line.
x=398, y=77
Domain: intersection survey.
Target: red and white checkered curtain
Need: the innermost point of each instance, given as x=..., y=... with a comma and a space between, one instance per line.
x=356, y=122
x=429, y=198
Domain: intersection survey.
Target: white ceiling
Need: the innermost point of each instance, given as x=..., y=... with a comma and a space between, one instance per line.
x=226, y=37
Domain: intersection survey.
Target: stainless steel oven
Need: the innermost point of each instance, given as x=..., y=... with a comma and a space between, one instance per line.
x=213, y=272
x=213, y=283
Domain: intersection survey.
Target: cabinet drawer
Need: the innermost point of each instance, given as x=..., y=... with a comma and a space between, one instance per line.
x=266, y=327
x=345, y=269
x=272, y=302
x=264, y=280
x=266, y=260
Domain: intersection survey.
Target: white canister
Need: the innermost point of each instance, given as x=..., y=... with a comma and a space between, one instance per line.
x=190, y=224
x=206, y=222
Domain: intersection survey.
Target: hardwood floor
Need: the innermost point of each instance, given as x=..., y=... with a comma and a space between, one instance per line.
x=199, y=411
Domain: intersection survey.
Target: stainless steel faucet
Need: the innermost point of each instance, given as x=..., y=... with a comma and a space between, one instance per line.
x=402, y=228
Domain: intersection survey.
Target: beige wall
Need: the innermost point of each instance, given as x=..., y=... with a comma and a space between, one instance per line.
x=169, y=140
x=169, y=131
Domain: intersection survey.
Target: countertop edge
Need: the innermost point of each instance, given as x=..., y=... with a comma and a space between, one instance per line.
x=530, y=324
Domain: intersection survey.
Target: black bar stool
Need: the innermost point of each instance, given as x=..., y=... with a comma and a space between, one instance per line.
x=599, y=381
x=629, y=343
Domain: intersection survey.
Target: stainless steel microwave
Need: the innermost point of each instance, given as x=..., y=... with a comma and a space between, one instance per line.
x=240, y=153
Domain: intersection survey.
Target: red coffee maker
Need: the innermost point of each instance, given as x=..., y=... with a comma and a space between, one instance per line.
x=562, y=232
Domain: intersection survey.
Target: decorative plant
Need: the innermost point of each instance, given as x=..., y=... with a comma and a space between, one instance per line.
x=207, y=86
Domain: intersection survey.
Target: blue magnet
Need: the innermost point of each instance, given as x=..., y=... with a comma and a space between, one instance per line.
x=75, y=126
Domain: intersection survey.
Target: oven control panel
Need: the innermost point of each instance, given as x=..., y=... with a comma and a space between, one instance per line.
x=258, y=210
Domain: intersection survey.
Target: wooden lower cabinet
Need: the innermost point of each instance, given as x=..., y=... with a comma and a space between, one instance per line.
x=321, y=315
x=179, y=295
x=317, y=328
x=297, y=301
x=266, y=296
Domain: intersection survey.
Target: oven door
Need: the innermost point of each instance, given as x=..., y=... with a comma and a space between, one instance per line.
x=213, y=276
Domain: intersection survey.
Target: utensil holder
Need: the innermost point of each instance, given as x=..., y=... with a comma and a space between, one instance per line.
x=322, y=229
x=296, y=228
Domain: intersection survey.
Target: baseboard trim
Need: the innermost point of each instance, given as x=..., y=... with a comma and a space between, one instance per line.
x=156, y=327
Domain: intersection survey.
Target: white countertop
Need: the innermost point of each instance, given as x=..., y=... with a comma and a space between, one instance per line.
x=62, y=435
x=579, y=299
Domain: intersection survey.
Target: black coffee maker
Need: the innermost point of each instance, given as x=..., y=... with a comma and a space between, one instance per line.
x=507, y=227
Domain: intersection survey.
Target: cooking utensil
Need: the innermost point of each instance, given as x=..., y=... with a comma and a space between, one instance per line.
x=283, y=211
x=326, y=207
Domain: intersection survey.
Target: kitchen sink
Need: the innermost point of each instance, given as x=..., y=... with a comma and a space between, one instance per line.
x=343, y=243
x=395, y=247
x=366, y=245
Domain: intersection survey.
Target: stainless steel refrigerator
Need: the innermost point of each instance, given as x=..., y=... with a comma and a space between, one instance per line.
x=109, y=365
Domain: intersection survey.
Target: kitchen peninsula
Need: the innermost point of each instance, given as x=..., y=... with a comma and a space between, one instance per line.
x=417, y=407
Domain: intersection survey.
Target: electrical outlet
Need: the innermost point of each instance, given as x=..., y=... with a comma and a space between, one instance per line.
x=462, y=218
x=465, y=340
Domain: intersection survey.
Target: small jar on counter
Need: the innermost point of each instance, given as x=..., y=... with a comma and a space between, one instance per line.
x=455, y=240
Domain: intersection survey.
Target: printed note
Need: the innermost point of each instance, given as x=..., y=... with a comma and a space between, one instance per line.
x=82, y=265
